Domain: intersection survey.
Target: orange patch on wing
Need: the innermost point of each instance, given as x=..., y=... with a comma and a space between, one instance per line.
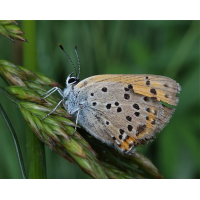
x=130, y=140
x=151, y=120
x=128, y=144
x=142, y=133
x=158, y=93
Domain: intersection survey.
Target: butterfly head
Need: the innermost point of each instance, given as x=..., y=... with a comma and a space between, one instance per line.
x=71, y=80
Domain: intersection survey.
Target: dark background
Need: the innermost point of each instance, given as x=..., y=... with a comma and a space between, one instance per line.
x=167, y=48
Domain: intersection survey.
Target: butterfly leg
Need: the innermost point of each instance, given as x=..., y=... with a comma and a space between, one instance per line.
x=78, y=110
x=53, y=109
x=76, y=121
x=51, y=91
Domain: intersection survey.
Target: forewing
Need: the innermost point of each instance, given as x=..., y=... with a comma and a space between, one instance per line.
x=159, y=87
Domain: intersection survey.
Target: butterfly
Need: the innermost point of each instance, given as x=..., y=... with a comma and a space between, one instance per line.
x=122, y=110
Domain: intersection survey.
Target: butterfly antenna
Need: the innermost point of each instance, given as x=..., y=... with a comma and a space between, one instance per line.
x=68, y=57
x=75, y=48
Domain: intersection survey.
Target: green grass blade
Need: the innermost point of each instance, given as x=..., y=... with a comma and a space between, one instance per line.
x=15, y=140
x=36, y=163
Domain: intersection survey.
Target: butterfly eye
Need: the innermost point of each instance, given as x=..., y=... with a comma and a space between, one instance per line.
x=71, y=80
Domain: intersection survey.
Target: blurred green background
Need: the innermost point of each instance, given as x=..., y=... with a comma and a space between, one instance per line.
x=168, y=48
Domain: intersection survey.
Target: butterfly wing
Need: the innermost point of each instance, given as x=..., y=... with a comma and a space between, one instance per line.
x=114, y=113
x=159, y=87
